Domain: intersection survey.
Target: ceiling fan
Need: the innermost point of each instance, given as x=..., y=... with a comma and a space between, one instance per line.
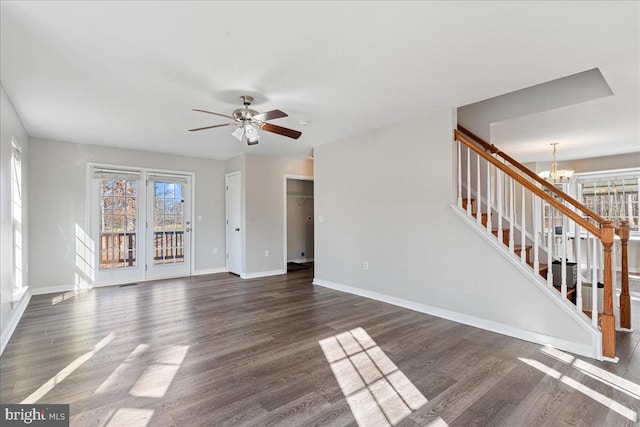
x=249, y=121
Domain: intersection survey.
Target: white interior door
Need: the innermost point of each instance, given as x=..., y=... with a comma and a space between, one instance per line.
x=234, y=223
x=168, y=226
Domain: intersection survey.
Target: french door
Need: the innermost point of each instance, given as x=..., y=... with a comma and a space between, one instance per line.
x=168, y=226
x=140, y=225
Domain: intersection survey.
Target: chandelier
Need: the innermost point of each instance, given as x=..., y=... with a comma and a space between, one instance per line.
x=555, y=175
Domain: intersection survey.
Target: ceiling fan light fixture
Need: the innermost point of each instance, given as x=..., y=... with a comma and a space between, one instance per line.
x=238, y=133
x=251, y=132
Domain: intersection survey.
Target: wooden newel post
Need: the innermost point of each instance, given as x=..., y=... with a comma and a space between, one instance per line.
x=625, y=298
x=607, y=320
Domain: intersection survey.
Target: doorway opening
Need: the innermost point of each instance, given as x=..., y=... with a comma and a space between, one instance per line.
x=298, y=225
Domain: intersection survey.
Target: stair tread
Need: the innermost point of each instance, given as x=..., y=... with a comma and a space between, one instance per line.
x=519, y=247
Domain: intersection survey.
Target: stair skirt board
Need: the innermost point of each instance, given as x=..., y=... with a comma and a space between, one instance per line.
x=563, y=303
x=594, y=351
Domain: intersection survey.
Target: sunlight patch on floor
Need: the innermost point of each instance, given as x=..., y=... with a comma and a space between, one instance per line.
x=377, y=392
x=123, y=371
x=130, y=417
x=63, y=297
x=438, y=422
x=158, y=376
x=612, y=380
x=626, y=412
x=66, y=371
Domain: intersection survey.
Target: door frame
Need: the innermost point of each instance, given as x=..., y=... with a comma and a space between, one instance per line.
x=148, y=218
x=91, y=225
x=242, y=222
x=284, y=214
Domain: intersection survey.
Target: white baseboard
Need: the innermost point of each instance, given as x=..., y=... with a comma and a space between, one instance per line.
x=17, y=311
x=53, y=289
x=489, y=325
x=209, y=271
x=67, y=288
x=262, y=274
x=301, y=260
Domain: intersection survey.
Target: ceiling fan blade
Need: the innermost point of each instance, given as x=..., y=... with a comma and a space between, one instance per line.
x=210, y=127
x=270, y=115
x=269, y=127
x=215, y=114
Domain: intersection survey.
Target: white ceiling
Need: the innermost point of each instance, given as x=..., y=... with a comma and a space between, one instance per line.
x=127, y=74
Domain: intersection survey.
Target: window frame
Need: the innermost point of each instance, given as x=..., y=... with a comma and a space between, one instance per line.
x=579, y=179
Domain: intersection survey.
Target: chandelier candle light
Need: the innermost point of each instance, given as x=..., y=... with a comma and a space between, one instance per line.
x=555, y=175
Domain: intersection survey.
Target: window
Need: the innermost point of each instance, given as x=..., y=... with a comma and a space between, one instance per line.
x=16, y=218
x=612, y=195
x=118, y=194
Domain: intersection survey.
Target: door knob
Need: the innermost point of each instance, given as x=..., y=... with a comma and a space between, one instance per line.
x=237, y=229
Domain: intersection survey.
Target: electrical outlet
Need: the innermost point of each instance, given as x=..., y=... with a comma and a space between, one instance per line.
x=366, y=265
x=215, y=251
x=266, y=253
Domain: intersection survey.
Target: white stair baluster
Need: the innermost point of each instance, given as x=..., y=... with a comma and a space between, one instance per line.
x=511, y=214
x=459, y=153
x=523, y=229
x=563, y=261
x=536, y=237
x=499, y=194
x=468, y=181
x=578, y=261
x=489, y=226
x=594, y=285
x=478, y=191
x=550, y=250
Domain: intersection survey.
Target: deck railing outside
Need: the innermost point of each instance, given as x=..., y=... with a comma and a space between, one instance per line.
x=119, y=249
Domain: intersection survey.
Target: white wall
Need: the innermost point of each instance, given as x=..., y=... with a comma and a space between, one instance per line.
x=58, y=178
x=11, y=127
x=385, y=198
x=264, y=213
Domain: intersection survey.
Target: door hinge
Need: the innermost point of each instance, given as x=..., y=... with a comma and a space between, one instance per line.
x=227, y=188
x=146, y=267
x=227, y=256
x=227, y=222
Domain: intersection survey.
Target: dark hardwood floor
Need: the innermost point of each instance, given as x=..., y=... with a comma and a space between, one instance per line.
x=219, y=350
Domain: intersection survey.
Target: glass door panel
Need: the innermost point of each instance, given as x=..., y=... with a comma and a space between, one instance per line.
x=170, y=227
x=118, y=223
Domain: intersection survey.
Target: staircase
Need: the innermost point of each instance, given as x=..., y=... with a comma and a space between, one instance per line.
x=543, y=269
x=543, y=227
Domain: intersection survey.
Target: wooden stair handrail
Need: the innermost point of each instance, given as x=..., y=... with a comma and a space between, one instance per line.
x=529, y=186
x=495, y=150
x=604, y=231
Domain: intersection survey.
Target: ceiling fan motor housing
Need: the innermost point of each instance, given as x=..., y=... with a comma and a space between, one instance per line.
x=242, y=115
